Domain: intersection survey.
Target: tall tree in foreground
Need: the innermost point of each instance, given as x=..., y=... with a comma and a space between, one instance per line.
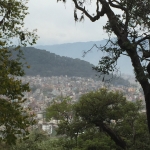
x=14, y=119
x=132, y=30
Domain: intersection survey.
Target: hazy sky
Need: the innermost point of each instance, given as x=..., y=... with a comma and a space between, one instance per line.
x=56, y=25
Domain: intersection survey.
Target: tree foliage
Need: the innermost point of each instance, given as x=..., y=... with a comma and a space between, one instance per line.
x=14, y=119
x=103, y=117
x=12, y=13
x=38, y=140
x=131, y=27
x=104, y=107
x=60, y=109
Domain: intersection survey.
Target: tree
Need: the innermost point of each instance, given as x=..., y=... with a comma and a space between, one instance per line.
x=60, y=109
x=131, y=28
x=102, y=107
x=14, y=119
x=38, y=140
x=104, y=117
x=35, y=138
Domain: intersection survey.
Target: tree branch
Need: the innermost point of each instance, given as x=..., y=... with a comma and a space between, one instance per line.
x=116, y=27
x=117, y=6
x=143, y=39
x=117, y=139
x=96, y=17
x=146, y=53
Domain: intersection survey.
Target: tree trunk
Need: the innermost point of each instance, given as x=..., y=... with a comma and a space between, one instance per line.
x=147, y=101
x=117, y=139
x=131, y=49
x=143, y=80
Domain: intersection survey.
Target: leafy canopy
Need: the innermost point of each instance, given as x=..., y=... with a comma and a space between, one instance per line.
x=101, y=120
x=14, y=118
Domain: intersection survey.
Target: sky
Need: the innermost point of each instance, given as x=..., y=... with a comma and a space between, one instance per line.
x=55, y=23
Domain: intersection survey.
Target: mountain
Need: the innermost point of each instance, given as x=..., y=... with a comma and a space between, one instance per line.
x=75, y=50
x=48, y=64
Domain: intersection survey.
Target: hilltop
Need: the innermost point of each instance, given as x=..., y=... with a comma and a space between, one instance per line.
x=47, y=64
x=75, y=50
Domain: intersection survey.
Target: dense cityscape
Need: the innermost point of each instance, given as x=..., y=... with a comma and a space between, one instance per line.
x=45, y=89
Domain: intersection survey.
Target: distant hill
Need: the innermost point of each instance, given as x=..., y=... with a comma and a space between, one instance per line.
x=75, y=50
x=48, y=64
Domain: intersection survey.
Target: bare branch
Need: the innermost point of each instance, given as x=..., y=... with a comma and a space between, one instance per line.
x=96, y=17
x=117, y=6
x=147, y=37
x=146, y=53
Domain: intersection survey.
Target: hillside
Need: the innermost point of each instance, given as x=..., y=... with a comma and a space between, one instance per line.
x=45, y=64
x=75, y=50
x=48, y=64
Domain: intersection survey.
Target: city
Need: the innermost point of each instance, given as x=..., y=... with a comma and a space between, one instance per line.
x=45, y=89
